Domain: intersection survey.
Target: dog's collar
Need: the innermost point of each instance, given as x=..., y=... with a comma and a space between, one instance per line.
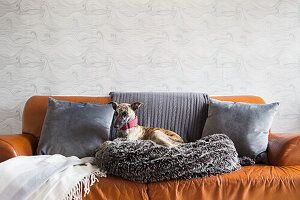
x=130, y=124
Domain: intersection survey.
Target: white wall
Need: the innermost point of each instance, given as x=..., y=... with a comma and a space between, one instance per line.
x=91, y=47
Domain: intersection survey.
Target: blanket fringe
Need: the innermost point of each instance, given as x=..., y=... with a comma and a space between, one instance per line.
x=83, y=187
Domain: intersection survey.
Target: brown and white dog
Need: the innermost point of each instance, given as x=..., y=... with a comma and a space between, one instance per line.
x=126, y=122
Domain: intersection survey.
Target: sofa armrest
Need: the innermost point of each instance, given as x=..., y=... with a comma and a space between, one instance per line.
x=17, y=145
x=284, y=149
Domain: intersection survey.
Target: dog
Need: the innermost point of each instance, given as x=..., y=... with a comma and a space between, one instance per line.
x=126, y=123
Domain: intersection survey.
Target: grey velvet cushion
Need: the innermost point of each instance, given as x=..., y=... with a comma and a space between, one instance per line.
x=74, y=129
x=247, y=125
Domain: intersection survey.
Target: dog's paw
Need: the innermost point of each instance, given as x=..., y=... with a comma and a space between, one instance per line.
x=102, y=146
x=106, y=142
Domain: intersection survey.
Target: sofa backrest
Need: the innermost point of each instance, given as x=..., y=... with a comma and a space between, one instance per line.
x=36, y=107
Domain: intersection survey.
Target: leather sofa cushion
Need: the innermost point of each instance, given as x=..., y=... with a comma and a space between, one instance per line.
x=250, y=183
x=115, y=188
x=284, y=149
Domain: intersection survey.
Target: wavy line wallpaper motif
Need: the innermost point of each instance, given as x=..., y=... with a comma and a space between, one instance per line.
x=91, y=47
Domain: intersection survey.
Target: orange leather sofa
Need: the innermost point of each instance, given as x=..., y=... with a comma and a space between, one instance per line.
x=280, y=180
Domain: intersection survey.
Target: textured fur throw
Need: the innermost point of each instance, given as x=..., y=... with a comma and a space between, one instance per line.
x=145, y=161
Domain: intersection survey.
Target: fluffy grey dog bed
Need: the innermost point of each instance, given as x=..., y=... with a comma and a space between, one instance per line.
x=145, y=161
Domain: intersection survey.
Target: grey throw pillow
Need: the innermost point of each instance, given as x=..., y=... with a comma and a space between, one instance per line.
x=74, y=129
x=247, y=125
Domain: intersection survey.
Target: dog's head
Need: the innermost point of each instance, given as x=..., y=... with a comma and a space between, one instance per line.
x=124, y=112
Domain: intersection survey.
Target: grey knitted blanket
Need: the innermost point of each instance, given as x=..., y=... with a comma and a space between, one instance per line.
x=183, y=113
x=145, y=161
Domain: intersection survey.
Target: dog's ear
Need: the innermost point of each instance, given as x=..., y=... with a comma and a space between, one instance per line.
x=114, y=104
x=136, y=105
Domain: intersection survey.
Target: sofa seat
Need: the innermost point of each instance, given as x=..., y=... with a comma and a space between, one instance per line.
x=115, y=188
x=251, y=182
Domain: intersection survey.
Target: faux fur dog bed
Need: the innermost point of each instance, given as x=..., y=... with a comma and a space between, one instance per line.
x=145, y=161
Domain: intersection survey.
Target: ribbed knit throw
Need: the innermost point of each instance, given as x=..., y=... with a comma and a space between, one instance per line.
x=183, y=113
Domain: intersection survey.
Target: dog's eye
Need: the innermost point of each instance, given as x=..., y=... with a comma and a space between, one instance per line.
x=116, y=113
x=124, y=114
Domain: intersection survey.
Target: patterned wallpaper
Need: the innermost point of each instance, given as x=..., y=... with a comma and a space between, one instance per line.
x=91, y=47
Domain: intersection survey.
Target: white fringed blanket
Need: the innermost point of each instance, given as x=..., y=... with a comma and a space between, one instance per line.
x=47, y=177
